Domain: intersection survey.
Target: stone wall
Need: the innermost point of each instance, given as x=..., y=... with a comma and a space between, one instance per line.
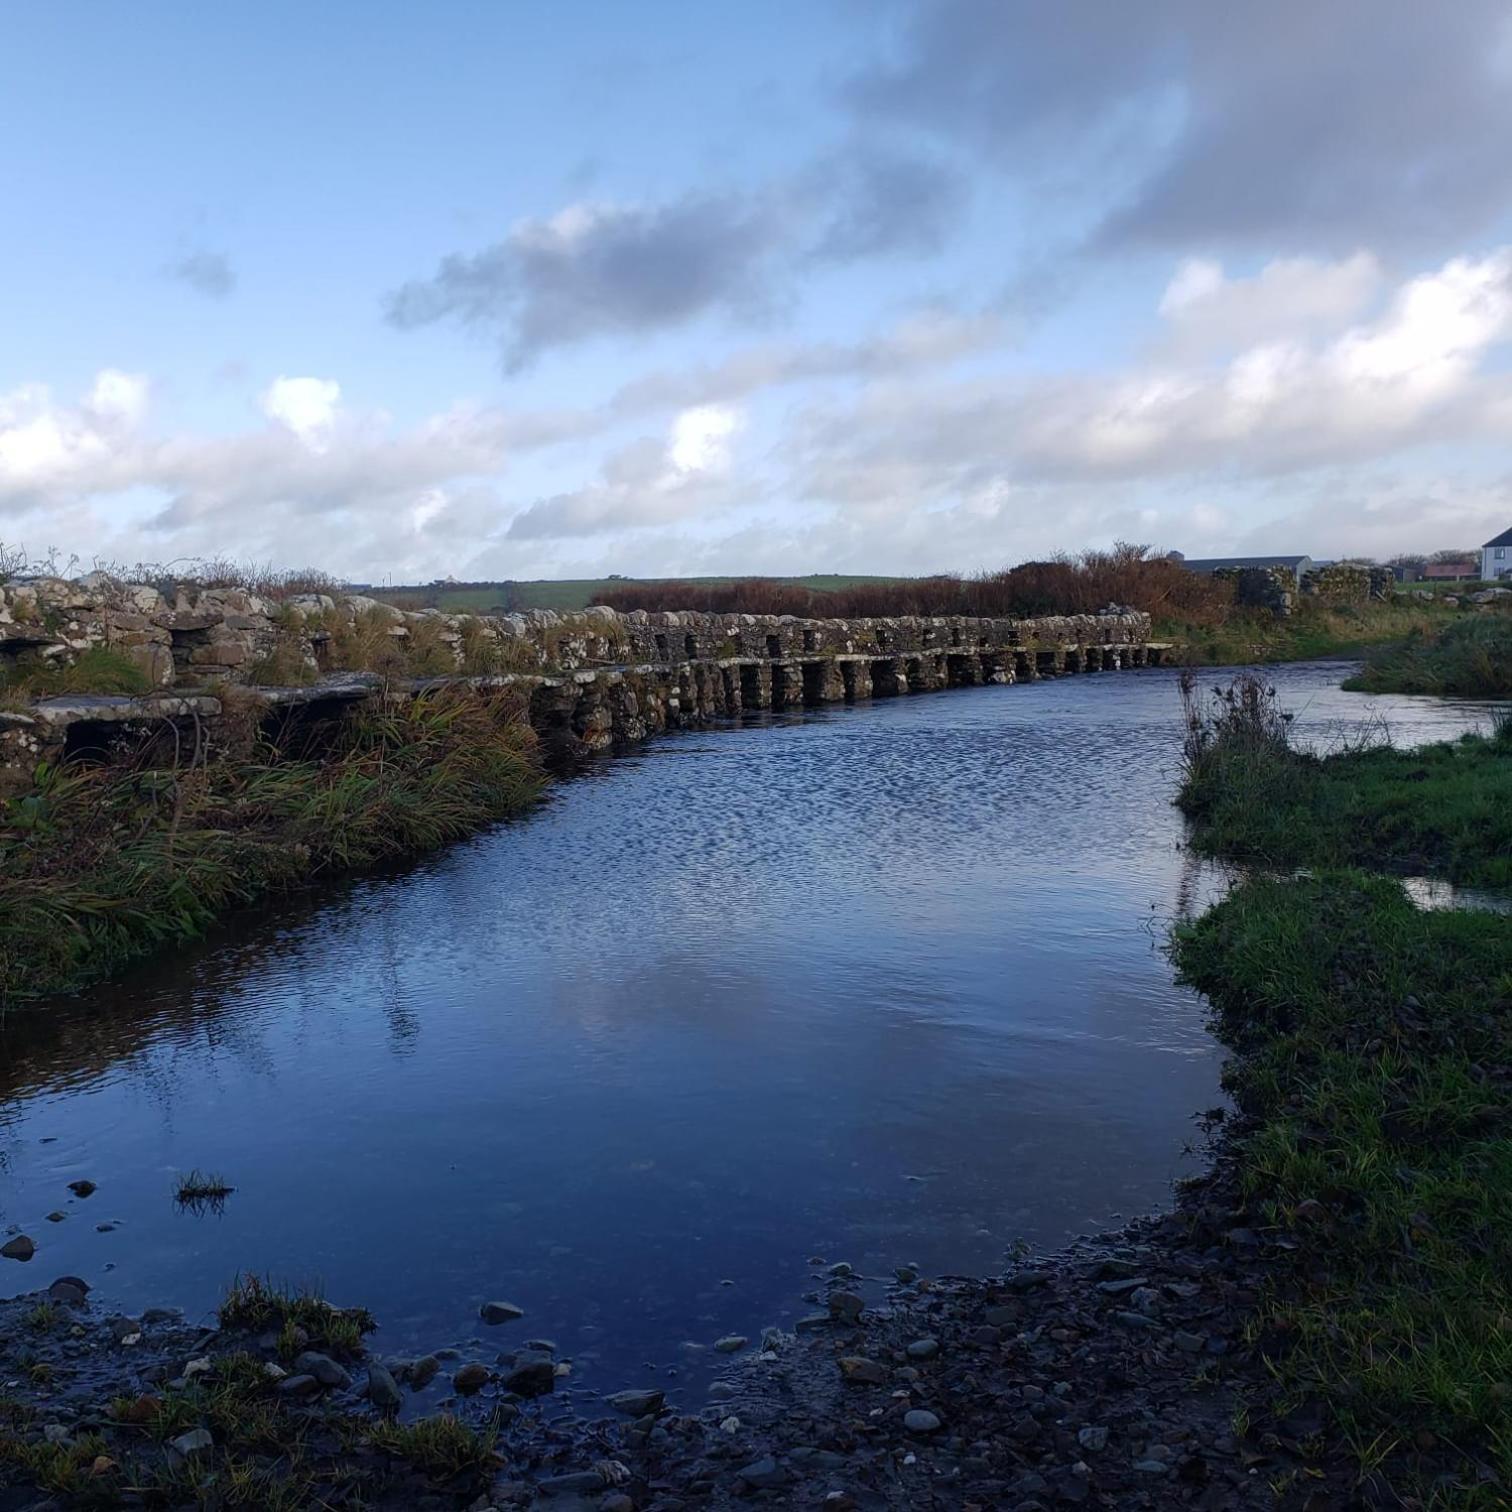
x=594, y=679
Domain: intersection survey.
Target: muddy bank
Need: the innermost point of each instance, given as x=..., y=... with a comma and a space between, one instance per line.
x=1118, y=1373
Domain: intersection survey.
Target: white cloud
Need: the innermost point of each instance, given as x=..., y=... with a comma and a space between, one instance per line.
x=306, y=405
x=648, y=483
x=117, y=397
x=701, y=439
x=1207, y=311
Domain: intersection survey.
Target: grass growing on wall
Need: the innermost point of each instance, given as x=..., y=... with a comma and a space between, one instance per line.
x=100, y=865
x=97, y=670
x=1252, y=795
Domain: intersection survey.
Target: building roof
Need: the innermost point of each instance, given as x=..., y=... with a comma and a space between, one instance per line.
x=1211, y=564
x=1504, y=539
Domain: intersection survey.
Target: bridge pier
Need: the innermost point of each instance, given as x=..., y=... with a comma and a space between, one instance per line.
x=885, y=679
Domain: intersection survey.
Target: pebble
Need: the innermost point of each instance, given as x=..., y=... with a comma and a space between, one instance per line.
x=471, y=1377
x=763, y=1474
x=532, y=1374
x=323, y=1368
x=637, y=1403
x=298, y=1386
x=846, y=1306
x=500, y=1312
x=22, y=1247
x=923, y=1349
x=861, y=1371
x=196, y=1441
x=82, y=1188
x=383, y=1390
x=1093, y=1439
x=423, y=1372
x=731, y=1343
x=919, y=1420
x=56, y=1217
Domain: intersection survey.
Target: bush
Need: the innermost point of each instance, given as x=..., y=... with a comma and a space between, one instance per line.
x=1127, y=575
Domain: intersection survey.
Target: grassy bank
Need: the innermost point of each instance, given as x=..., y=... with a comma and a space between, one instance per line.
x=1372, y=1067
x=1372, y=1042
x=1471, y=658
x=1444, y=809
x=102, y=864
x=1313, y=631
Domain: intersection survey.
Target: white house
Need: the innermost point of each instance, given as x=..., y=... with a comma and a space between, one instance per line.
x=1496, y=557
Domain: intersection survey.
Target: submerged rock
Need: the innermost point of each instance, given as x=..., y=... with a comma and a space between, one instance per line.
x=500, y=1312
x=637, y=1403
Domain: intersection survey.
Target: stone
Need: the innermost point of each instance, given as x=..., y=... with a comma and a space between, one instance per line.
x=731, y=1343
x=923, y=1349
x=82, y=1188
x=22, y=1247
x=1190, y=1343
x=70, y=1290
x=846, y=1306
x=500, y=1312
x=298, y=1386
x=920, y=1420
x=1027, y=1280
x=1093, y=1439
x=323, y=1368
x=196, y=1441
x=382, y=1389
x=56, y=1217
x=764, y=1474
x=423, y=1372
x=470, y=1378
x=533, y=1374
x=574, y=1483
x=861, y=1371
x=637, y=1403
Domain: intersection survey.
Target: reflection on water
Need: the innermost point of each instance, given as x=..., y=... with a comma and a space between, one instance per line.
x=882, y=984
x=1430, y=892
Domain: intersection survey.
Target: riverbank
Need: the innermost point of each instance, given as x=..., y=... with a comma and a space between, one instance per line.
x=1313, y=631
x=1469, y=659
x=1253, y=796
x=106, y=862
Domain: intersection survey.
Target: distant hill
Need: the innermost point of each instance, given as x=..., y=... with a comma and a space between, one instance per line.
x=567, y=594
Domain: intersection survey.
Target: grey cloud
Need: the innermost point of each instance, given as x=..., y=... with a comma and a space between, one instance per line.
x=1316, y=125
x=207, y=273
x=880, y=203
x=595, y=271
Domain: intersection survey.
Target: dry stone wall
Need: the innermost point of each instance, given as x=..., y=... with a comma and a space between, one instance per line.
x=594, y=680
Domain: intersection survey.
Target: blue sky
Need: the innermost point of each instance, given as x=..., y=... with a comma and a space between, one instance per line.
x=513, y=290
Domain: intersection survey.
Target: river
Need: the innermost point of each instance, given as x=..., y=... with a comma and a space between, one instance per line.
x=879, y=984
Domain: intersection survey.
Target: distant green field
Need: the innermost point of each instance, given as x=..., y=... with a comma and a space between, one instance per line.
x=574, y=593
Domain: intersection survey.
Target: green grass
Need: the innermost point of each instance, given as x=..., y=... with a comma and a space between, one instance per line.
x=201, y=1187
x=1372, y=1042
x=254, y=1304
x=1312, y=632
x=571, y=594
x=1443, y=809
x=1471, y=658
x=441, y=1446
x=102, y=865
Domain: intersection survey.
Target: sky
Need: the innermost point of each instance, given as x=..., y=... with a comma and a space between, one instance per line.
x=509, y=290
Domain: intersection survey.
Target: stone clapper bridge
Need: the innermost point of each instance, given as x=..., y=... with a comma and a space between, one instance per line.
x=592, y=681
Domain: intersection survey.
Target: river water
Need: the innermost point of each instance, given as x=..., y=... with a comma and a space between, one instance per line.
x=881, y=984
